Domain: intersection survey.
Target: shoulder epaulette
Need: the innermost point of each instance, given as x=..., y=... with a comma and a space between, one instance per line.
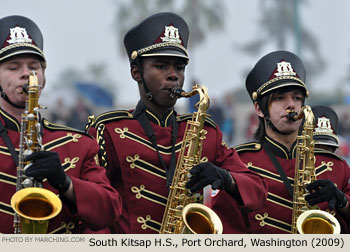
x=326, y=152
x=110, y=116
x=53, y=127
x=188, y=116
x=252, y=146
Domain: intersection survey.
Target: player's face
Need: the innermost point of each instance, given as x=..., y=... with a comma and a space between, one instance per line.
x=279, y=105
x=161, y=74
x=14, y=73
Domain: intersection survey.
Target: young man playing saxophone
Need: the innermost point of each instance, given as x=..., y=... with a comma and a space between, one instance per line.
x=276, y=85
x=140, y=146
x=68, y=164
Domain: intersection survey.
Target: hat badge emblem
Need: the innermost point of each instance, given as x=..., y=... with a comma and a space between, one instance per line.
x=284, y=69
x=18, y=35
x=323, y=126
x=171, y=34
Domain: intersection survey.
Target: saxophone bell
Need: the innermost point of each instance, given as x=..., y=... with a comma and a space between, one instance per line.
x=35, y=207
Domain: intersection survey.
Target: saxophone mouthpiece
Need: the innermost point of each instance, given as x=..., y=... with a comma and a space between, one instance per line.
x=176, y=92
x=292, y=115
x=25, y=88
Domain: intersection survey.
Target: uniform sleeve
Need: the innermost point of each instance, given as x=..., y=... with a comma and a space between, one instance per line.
x=251, y=191
x=250, y=185
x=346, y=182
x=345, y=188
x=98, y=203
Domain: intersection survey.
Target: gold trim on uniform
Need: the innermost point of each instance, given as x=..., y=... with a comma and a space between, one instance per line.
x=96, y=160
x=285, y=153
x=91, y=120
x=102, y=143
x=223, y=143
x=5, y=151
x=328, y=165
x=142, y=192
x=145, y=221
x=70, y=138
x=272, y=222
x=71, y=163
x=11, y=119
x=75, y=137
x=267, y=173
x=248, y=146
x=68, y=227
x=112, y=116
x=121, y=132
x=7, y=178
x=282, y=201
x=4, y=206
x=147, y=166
x=125, y=133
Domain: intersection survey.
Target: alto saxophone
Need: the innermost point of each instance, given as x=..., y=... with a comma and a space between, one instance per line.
x=181, y=215
x=306, y=219
x=33, y=205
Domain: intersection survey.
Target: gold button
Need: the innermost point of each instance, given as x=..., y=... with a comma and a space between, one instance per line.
x=134, y=55
x=254, y=96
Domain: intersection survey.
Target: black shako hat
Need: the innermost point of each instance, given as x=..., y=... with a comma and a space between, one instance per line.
x=275, y=70
x=325, y=131
x=162, y=34
x=20, y=35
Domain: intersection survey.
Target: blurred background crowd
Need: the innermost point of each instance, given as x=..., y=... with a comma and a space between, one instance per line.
x=88, y=71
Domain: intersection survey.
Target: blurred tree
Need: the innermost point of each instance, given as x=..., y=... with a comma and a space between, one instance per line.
x=279, y=24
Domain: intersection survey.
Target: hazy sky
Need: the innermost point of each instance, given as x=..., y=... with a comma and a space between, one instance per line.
x=79, y=32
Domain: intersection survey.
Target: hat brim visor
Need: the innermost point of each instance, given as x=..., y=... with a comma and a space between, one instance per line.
x=170, y=52
x=326, y=140
x=21, y=50
x=284, y=83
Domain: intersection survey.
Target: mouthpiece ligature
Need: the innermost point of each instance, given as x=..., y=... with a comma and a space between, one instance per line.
x=176, y=92
x=292, y=115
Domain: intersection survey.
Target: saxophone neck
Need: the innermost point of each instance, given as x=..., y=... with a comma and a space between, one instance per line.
x=202, y=91
x=305, y=112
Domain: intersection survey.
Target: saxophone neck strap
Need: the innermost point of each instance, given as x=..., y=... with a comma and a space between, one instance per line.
x=5, y=137
x=280, y=170
x=145, y=124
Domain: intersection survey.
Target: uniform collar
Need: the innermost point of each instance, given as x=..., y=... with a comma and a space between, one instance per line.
x=10, y=122
x=165, y=122
x=278, y=149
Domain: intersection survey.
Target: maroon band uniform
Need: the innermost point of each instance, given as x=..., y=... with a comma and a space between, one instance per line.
x=276, y=215
x=97, y=203
x=134, y=169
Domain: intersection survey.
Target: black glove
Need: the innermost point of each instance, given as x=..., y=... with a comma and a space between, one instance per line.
x=46, y=164
x=325, y=190
x=208, y=173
